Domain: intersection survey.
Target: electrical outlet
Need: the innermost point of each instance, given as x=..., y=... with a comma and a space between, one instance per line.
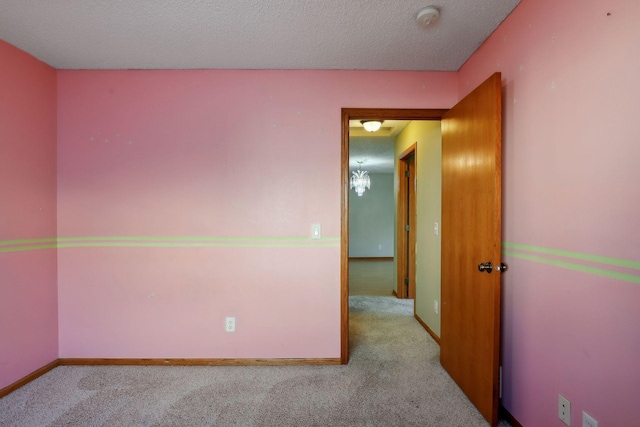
x=564, y=409
x=588, y=420
x=230, y=324
x=435, y=306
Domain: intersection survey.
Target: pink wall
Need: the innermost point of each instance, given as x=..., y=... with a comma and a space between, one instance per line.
x=253, y=158
x=250, y=157
x=572, y=144
x=28, y=298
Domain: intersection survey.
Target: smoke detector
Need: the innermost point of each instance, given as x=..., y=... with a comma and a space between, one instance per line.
x=427, y=16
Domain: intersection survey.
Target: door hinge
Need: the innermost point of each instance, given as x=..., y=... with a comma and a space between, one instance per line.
x=406, y=227
x=407, y=174
x=406, y=281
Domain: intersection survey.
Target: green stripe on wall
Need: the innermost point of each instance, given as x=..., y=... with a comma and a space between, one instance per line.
x=194, y=238
x=164, y=242
x=576, y=267
x=25, y=241
x=26, y=248
x=625, y=263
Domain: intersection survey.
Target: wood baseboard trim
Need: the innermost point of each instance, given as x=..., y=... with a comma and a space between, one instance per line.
x=377, y=258
x=394, y=293
x=27, y=379
x=424, y=325
x=163, y=362
x=506, y=415
x=198, y=362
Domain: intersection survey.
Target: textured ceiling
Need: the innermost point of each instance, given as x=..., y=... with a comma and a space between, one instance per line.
x=249, y=34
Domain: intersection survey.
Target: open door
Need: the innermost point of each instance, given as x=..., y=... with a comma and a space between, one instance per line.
x=407, y=223
x=471, y=235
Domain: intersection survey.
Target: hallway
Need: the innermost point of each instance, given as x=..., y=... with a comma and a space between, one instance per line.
x=371, y=276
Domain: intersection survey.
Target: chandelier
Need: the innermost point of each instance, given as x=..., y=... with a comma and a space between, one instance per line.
x=360, y=180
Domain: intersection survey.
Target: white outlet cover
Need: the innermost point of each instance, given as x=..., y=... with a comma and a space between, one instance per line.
x=588, y=420
x=564, y=409
x=230, y=324
x=316, y=231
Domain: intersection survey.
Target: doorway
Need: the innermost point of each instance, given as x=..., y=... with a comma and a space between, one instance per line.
x=361, y=114
x=471, y=225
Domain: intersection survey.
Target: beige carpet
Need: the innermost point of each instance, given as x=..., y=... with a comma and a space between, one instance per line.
x=393, y=379
x=371, y=277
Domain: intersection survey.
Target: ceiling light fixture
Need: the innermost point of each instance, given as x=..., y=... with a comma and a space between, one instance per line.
x=360, y=180
x=371, y=125
x=427, y=16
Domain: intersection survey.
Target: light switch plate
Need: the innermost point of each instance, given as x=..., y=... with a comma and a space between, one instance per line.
x=316, y=231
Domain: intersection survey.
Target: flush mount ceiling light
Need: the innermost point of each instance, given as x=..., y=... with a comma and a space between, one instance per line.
x=371, y=125
x=427, y=16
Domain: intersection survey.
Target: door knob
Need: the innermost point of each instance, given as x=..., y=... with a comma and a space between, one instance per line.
x=485, y=267
x=501, y=268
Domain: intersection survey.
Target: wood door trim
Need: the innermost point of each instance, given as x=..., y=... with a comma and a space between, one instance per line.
x=344, y=240
x=413, y=225
x=408, y=152
x=361, y=114
x=393, y=114
x=401, y=235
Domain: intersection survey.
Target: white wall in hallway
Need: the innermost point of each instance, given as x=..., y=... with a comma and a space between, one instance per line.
x=371, y=220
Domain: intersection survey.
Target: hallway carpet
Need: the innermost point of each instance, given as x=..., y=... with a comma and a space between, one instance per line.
x=371, y=276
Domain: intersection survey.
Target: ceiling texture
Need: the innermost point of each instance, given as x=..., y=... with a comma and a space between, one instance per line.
x=250, y=34
x=257, y=34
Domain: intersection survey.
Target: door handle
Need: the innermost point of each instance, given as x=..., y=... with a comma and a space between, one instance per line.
x=501, y=268
x=486, y=266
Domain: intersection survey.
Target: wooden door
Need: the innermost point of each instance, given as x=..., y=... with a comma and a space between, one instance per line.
x=411, y=220
x=406, y=225
x=471, y=234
